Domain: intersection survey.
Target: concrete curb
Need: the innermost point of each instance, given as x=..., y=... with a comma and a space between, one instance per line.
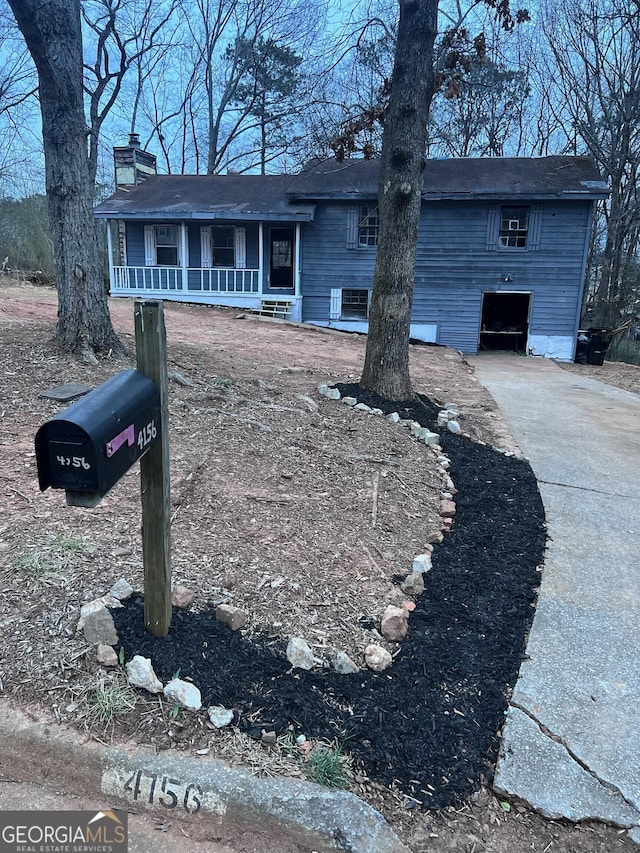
x=187, y=788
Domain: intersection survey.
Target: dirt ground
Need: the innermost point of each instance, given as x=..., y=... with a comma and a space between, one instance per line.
x=256, y=456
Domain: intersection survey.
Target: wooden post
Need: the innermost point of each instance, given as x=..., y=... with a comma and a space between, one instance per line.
x=151, y=352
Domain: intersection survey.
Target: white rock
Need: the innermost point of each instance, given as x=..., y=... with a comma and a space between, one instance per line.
x=443, y=419
x=377, y=658
x=362, y=407
x=454, y=427
x=140, y=674
x=299, y=653
x=393, y=418
x=349, y=401
x=422, y=563
x=431, y=438
x=377, y=412
x=220, y=716
x=332, y=394
x=343, y=664
x=121, y=590
x=184, y=694
x=322, y=389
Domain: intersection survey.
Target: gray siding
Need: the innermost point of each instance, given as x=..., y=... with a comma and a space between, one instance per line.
x=326, y=261
x=454, y=267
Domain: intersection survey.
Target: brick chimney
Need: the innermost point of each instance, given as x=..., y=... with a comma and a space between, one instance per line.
x=132, y=164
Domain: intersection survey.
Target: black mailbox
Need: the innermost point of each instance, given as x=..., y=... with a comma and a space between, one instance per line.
x=87, y=448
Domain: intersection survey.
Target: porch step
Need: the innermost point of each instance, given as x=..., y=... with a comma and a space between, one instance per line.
x=280, y=308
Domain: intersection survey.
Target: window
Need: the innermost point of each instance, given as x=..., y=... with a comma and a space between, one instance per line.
x=368, y=224
x=355, y=304
x=223, y=246
x=514, y=227
x=166, y=240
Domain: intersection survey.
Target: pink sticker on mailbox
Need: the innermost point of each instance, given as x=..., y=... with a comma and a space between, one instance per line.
x=127, y=435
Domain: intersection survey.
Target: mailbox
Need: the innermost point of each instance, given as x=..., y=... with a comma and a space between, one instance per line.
x=88, y=447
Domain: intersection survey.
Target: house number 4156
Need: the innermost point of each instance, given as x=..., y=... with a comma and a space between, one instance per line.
x=164, y=791
x=147, y=434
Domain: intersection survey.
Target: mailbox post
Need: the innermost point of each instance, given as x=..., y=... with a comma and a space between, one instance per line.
x=151, y=352
x=88, y=447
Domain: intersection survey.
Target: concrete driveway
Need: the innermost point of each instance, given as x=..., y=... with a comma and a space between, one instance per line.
x=571, y=743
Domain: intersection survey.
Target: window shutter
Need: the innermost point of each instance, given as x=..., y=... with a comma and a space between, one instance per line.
x=335, y=305
x=535, y=227
x=149, y=246
x=240, y=245
x=493, y=227
x=352, y=226
x=205, y=246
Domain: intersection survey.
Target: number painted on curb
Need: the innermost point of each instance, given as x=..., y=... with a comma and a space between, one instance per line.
x=164, y=791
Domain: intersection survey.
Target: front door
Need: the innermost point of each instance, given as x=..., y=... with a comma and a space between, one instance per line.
x=281, y=258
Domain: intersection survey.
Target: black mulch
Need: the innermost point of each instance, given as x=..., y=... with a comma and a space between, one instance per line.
x=430, y=724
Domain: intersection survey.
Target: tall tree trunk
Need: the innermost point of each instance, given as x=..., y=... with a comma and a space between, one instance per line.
x=52, y=32
x=386, y=366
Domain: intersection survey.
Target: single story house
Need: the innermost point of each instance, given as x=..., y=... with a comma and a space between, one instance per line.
x=501, y=260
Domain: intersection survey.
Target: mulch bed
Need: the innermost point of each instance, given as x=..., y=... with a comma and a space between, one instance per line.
x=429, y=726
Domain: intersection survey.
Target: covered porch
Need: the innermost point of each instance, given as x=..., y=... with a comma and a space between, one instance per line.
x=247, y=264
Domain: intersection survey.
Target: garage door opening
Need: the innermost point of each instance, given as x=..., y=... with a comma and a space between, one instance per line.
x=505, y=321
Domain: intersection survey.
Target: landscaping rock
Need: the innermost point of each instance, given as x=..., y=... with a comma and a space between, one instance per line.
x=106, y=656
x=299, y=653
x=422, y=563
x=232, y=616
x=220, y=716
x=436, y=538
x=362, y=407
x=121, y=590
x=349, y=401
x=377, y=658
x=332, y=394
x=343, y=664
x=413, y=584
x=393, y=418
x=454, y=427
x=182, y=596
x=184, y=694
x=447, y=509
x=99, y=628
x=140, y=674
x=394, y=624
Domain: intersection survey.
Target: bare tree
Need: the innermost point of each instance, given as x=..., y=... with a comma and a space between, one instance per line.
x=596, y=50
x=386, y=366
x=124, y=33
x=52, y=32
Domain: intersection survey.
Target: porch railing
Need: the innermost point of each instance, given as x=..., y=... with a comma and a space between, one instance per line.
x=205, y=280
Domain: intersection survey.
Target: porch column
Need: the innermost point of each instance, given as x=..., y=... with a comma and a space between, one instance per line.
x=260, y=259
x=184, y=251
x=296, y=269
x=110, y=257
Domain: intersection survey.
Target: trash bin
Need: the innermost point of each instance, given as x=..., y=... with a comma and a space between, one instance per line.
x=598, y=346
x=582, y=346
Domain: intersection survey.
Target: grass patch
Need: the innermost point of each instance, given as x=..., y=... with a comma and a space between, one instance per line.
x=72, y=544
x=36, y=564
x=109, y=699
x=328, y=765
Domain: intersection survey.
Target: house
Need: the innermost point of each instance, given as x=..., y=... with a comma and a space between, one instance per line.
x=501, y=259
